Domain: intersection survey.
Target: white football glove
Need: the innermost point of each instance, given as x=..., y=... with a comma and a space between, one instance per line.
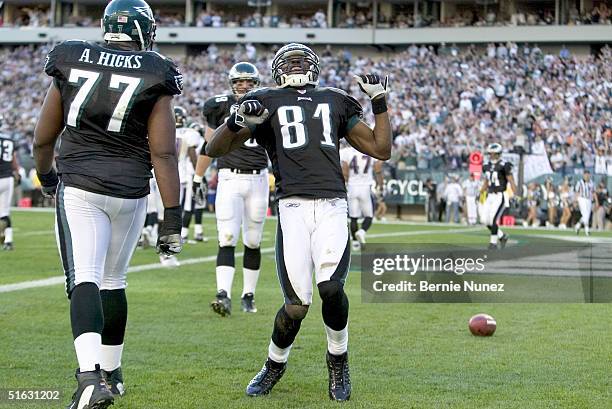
x=372, y=85
x=251, y=113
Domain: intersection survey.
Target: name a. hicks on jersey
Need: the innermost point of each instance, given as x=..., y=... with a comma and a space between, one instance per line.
x=113, y=60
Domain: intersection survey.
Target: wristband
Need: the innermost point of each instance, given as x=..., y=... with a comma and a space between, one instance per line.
x=49, y=179
x=197, y=179
x=232, y=125
x=379, y=105
x=173, y=221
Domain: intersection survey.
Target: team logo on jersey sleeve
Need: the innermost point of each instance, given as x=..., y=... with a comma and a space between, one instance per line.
x=178, y=79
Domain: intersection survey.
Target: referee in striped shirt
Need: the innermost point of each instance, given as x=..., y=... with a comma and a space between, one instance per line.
x=584, y=192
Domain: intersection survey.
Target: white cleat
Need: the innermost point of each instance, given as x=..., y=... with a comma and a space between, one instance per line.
x=169, y=261
x=355, y=246
x=360, y=235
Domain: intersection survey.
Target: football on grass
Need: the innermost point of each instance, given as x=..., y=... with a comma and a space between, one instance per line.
x=482, y=325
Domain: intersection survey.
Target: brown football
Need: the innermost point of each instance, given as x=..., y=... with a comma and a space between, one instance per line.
x=482, y=325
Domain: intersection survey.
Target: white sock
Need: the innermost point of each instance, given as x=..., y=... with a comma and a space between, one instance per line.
x=8, y=235
x=278, y=354
x=184, y=232
x=337, y=341
x=493, y=239
x=225, y=278
x=197, y=228
x=88, y=350
x=111, y=357
x=500, y=233
x=249, y=280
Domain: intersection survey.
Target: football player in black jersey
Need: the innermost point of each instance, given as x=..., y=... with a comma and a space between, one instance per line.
x=9, y=173
x=497, y=175
x=242, y=195
x=300, y=124
x=112, y=106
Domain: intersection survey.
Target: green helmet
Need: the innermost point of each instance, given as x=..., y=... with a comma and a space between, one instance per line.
x=129, y=20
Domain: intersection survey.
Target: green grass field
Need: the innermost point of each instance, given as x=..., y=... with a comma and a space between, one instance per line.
x=178, y=354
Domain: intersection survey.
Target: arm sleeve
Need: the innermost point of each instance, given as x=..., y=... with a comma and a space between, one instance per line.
x=53, y=63
x=173, y=81
x=508, y=168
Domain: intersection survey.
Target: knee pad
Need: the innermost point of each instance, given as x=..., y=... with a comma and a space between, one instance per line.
x=225, y=256
x=252, y=258
x=296, y=312
x=227, y=239
x=252, y=237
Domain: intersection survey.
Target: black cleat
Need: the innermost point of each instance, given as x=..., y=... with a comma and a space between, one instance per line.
x=339, y=377
x=92, y=391
x=222, y=305
x=502, y=241
x=7, y=246
x=114, y=379
x=265, y=380
x=492, y=246
x=248, y=303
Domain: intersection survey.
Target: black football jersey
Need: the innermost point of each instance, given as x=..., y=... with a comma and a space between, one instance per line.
x=497, y=175
x=250, y=156
x=7, y=148
x=302, y=136
x=107, y=96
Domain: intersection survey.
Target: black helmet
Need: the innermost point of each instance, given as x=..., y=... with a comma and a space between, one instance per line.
x=281, y=69
x=243, y=71
x=180, y=116
x=129, y=20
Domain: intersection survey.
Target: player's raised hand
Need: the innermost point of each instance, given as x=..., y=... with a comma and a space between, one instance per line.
x=249, y=114
x=372, y=84
x=48, y=182
x=169, y=240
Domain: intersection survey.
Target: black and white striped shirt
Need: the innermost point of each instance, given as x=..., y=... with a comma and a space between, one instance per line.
x=584, y=189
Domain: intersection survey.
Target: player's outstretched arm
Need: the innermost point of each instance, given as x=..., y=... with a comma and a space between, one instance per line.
x=374, y=142
x=224, y=141
x=162, y=142
x=48, y=128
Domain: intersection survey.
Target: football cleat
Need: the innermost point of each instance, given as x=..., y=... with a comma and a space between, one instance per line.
x=201, y=238
x=492, y=246
x=92, y=391
x=221, y=304
x=360, y=235
x=7, y=246
x=265, y=380
x=169, y=261
x=355, y=246
x=339, y=377
x=248, y=303
x=114, y=379
x=503, y=240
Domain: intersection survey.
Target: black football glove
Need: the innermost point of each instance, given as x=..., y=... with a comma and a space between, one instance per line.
x=249, y=114
x=169, y=240
x=49, y=182
x=372, y=85
x=199, y=189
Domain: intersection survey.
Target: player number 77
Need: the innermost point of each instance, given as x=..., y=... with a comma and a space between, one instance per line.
x=115, y=124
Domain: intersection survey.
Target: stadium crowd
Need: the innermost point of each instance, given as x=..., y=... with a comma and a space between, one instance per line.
x=40, y=16
x=444, y=102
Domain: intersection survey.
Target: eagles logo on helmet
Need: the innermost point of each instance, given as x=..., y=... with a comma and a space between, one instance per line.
x=295, y=65
x=129, y=20
x=494, y=150
x=243, y=71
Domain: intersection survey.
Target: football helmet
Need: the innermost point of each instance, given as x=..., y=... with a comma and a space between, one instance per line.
x=295, y=65
x=198, y=127
x=129, y=20
x=180, y=116
x=243, y=71
x=494, y=150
